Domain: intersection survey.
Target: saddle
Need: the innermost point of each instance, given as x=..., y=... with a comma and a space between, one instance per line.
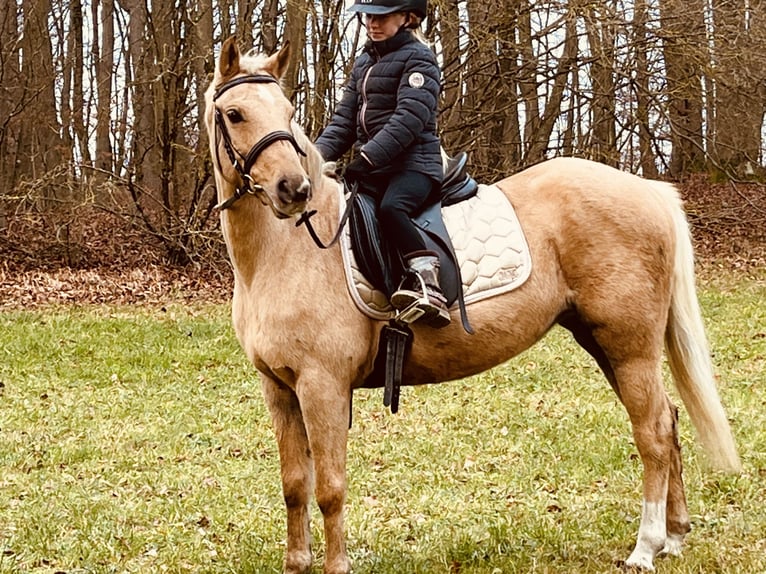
x=381, y=264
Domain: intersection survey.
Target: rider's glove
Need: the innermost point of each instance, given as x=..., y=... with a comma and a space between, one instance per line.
x=357, y=168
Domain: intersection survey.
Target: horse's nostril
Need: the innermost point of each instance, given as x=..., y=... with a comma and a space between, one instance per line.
x=294, y=191
x=304, y=191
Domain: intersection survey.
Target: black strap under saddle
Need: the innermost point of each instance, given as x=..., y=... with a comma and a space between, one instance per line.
x=383, y=266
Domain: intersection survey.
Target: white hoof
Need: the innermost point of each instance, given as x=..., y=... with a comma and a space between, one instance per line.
x=673, y=545
x=640, y=561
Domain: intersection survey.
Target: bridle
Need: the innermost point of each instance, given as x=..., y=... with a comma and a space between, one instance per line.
x=249, y=185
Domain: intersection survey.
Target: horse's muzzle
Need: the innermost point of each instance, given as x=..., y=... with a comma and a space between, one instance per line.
x=294, y=192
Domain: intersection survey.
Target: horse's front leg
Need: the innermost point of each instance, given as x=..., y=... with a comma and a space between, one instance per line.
x=325, y=403
x=295, y=459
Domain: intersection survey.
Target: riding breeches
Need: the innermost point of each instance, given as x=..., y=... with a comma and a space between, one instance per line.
x=404, y=194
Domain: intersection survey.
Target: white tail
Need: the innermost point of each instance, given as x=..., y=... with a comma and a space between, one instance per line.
x=688, y=352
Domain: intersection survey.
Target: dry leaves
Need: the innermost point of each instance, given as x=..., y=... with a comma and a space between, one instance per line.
x=96, y=258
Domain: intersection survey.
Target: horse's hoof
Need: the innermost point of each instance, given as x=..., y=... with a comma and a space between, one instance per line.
x=637, y=564
x=340, y=566
x=673, y=545
x=298, y=563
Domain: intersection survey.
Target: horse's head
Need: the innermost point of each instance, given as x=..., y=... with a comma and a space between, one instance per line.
x=249, y=121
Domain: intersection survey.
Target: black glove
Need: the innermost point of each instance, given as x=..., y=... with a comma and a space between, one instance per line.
x=357, y=168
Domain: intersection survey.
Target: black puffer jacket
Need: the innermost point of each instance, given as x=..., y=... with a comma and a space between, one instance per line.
x=388, y=109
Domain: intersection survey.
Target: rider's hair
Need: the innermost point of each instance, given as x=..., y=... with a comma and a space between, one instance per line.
x=413, y=23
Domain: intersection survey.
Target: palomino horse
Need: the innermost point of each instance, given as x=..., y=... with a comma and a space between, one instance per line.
x=613, y=263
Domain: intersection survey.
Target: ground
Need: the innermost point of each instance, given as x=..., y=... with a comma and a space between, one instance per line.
x=100, y=258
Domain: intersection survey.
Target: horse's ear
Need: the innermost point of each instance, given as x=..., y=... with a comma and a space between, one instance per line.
x=277, y=63
x=228, y=62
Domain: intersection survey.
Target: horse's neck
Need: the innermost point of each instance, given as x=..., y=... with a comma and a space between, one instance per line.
x=263, y=246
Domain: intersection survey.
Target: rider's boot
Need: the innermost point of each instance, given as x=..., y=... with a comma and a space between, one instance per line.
x=420, y=292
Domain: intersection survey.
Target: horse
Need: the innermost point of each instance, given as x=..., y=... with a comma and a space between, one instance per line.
x=612, y=263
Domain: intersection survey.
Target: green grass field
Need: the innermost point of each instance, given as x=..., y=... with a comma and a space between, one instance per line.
x=136, y=440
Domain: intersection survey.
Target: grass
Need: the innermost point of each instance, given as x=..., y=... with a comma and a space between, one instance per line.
x=136, y=440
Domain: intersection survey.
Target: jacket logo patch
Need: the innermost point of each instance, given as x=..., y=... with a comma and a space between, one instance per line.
x=416, y=80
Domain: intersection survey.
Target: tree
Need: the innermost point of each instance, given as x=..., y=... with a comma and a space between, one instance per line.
x=685, y=52
x=38, y=148
x=740, y=84
x=103, y=58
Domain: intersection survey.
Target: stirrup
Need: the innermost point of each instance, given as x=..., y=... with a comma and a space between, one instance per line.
x=423, y=308
x=432, y=315
x=414, y=310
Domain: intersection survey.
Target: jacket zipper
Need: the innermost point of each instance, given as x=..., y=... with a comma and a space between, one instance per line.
x=364, y=102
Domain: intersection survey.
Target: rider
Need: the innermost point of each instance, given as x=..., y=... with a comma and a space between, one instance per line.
x=388, y=115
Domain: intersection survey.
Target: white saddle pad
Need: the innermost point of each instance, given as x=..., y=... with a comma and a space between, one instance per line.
x=489, y=243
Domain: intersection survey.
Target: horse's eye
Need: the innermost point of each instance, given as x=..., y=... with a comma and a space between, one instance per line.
x=234, y=116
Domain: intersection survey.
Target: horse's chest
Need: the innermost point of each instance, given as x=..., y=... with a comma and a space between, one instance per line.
x=268, y=336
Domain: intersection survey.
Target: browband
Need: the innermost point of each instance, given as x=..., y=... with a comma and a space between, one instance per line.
x=253, y=79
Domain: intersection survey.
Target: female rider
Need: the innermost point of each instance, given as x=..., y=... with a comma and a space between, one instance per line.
x=387, y=114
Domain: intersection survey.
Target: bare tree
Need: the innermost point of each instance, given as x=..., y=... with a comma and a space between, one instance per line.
x=600, y=23
x=740, y=84
x=39, y=146
x=103, y=59
x=647, y=160
x=685, y=52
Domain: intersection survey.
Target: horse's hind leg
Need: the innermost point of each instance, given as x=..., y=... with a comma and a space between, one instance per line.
x=653, y=421
x=677, y=518
x=295, y=459
x=678, y=524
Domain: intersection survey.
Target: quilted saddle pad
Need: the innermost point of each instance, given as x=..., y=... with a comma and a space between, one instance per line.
x=489, y=243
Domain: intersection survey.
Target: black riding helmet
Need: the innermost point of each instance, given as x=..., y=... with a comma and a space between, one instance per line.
x=417, y=7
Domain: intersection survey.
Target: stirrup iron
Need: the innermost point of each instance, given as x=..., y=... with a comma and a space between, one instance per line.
x=413, y=311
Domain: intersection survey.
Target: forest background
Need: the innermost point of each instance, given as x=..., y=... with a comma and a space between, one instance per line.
x=106, y=189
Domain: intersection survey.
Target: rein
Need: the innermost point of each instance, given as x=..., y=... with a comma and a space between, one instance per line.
x=249, y=185
x=307, y=215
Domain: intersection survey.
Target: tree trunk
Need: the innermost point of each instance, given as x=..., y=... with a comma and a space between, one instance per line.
x=144, y=157
x=77, y=57
x=684, y=40
x=646, y=159
x=567, y=61
x=740, y=77
x=600, y=25
x=103, y=57
x=295, y=34
x=269, y=26
x=451, y=104
x=39, y=146
x=11, y=95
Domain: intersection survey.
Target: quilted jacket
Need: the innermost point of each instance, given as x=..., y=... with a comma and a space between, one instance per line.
x=388, y=109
